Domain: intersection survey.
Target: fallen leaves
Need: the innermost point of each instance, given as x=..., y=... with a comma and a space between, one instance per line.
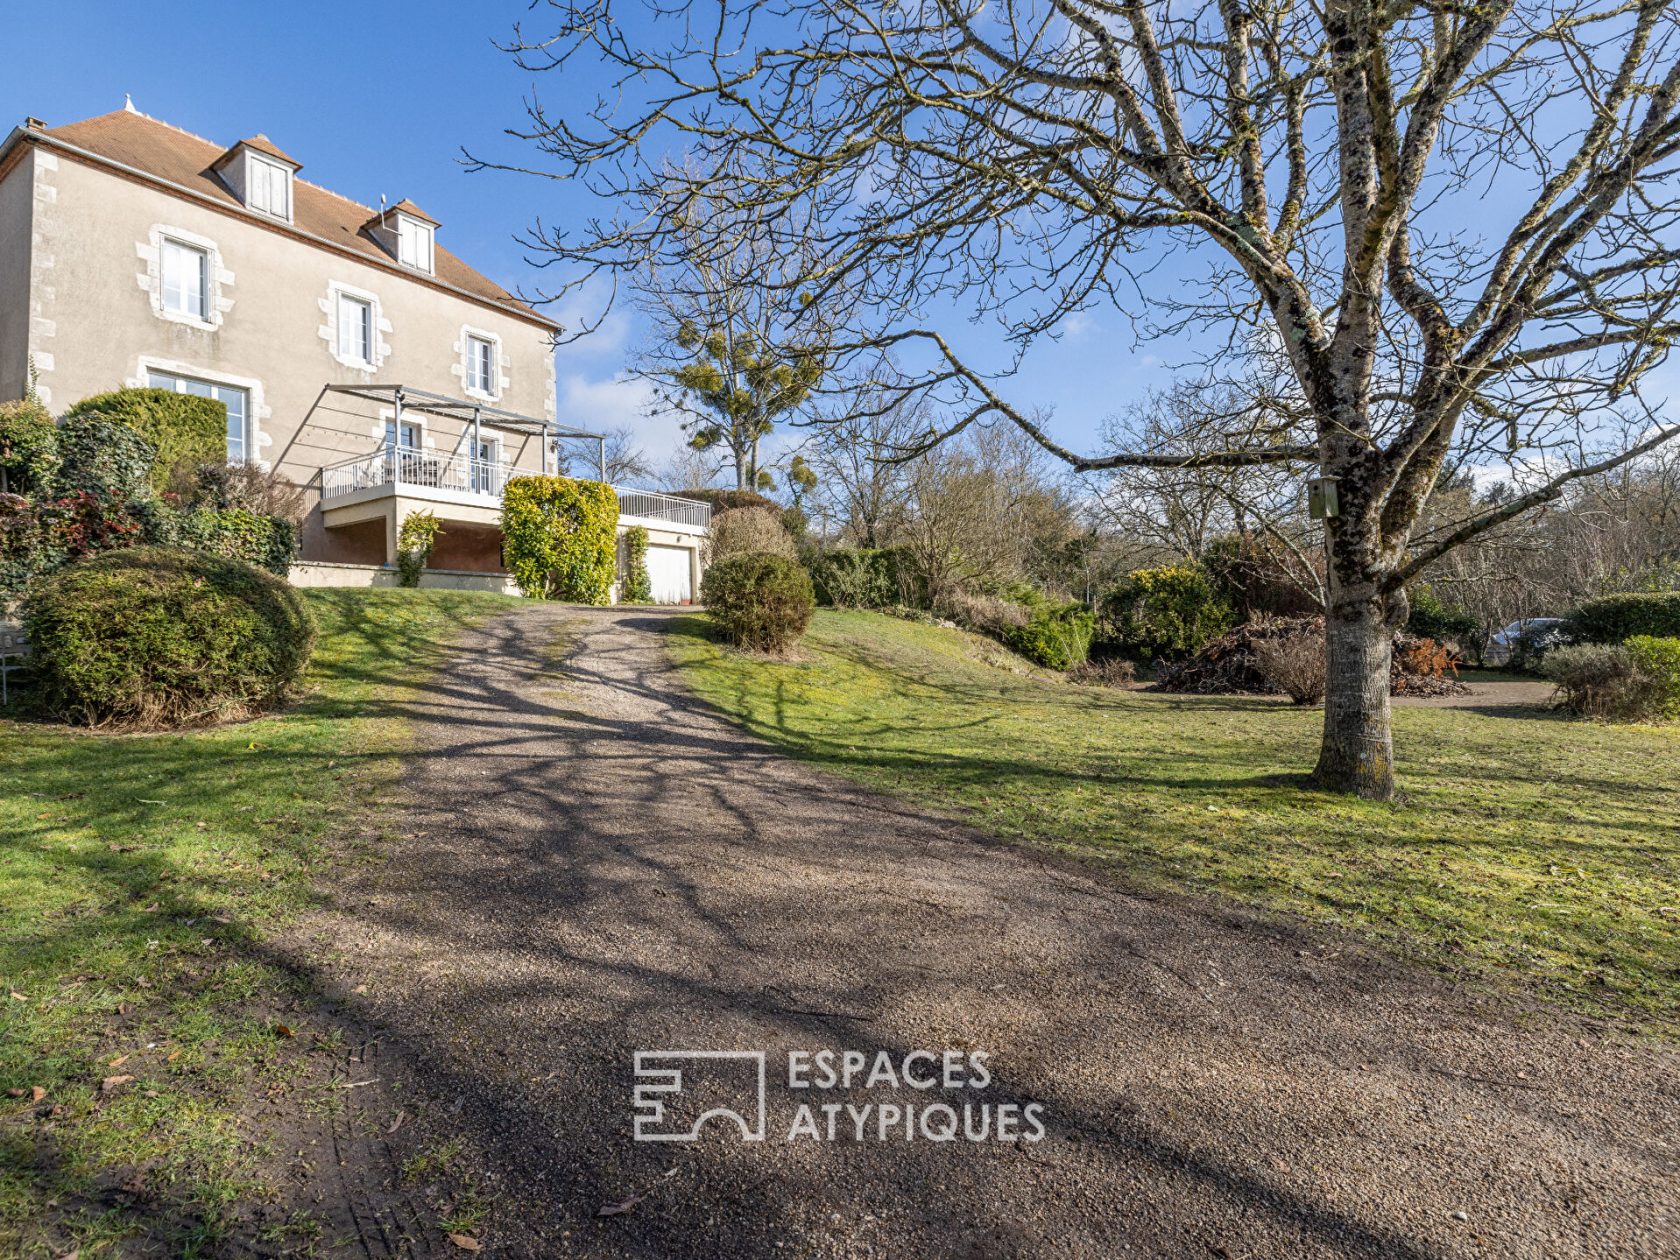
x=118, y=1061
x=466, y=1242
x=285, y=1030
x=397, y=1123
x=111, y=1084
x=618, y=1209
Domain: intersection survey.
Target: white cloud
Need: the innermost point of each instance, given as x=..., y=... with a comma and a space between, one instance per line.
x=620, y=402
x=582, y=308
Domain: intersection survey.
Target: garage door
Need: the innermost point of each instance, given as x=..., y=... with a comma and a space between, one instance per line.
x=668, y=571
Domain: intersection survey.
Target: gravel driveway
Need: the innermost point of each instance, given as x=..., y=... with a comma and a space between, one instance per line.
x=594, y=866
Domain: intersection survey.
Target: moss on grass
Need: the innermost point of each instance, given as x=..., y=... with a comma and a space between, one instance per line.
x=139, y=876
x=1533, y=850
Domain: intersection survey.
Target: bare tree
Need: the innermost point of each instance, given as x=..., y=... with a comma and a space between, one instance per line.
x=1452, y=228
x=627, y=463
x=733, y=347
x=856, y=453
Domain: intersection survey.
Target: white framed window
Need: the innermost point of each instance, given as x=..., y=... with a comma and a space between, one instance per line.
x=481, y=364
x=414, y=243
x=185, y=271
x=236, y=400
x=268, y=187
x=405, y=436
x=355, y=329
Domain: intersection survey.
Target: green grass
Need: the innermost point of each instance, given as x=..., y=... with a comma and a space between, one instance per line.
x=138, y=878
x=1533, y=850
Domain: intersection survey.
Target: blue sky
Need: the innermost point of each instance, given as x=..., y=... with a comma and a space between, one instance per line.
x=381, y=99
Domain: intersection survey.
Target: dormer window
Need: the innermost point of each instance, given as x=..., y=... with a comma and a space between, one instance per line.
x=269, y=187
x=407, y=234
x=414, y=243
x=260, y=175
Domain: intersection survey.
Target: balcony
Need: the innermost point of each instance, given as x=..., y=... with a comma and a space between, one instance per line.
x=477, y=484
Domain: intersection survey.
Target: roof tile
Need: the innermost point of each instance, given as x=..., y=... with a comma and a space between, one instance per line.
x=179, y=157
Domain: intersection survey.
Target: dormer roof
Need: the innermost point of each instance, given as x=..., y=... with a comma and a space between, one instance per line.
x=405, y=206
x=259, y=143
x=136, y=146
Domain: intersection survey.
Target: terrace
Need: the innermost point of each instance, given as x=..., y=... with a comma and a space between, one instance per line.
x=443, y=479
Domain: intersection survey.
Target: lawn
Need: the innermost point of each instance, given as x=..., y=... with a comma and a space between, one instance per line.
x=138, y=878
x=1533, y=850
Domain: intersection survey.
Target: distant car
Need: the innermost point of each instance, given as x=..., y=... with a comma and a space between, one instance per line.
x=1537, y=634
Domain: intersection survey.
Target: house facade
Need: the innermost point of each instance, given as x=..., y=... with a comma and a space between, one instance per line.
x=357, y=357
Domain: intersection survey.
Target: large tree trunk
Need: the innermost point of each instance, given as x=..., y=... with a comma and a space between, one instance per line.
x=1357, y=753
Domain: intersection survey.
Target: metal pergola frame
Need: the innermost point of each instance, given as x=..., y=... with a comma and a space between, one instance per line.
x=408, y=398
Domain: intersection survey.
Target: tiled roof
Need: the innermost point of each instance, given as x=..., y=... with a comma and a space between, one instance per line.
x=179, y=157
x=262, y=144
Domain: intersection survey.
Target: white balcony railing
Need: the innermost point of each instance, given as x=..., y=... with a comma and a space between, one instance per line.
x=664, y=507
x=426, y=470
x=420, y=469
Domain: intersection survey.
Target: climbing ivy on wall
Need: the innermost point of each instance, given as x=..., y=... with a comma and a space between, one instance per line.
x=560, y=537
x=638, y=586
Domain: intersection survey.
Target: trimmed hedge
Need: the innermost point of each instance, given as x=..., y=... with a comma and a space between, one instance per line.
x=98, y=456
x=28, y=447
x=184, y=430
x=759, y=601
x=726, y=500
x=638, y=586
x=238, y=534
x=1171, y=610
x=560, y=537
x=1614, y=618
x=153, y=637
x=1658, y=661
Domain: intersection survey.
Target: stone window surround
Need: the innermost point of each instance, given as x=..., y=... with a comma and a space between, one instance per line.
x=258, y=407
x=462, y=371
x=328, y=331
x=416, y=418
x=218, y=278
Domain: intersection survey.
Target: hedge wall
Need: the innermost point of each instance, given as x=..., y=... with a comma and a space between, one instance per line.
x=725, y=500
x=866, y=577
x=1615, y=618
x=183, y=429
x=560, y=537
x=269, y=542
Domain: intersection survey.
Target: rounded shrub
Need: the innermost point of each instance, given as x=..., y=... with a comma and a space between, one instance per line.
x=1636, y=681
x=1170, y=611
x=183, y=430
x=99, y=457
x=1056, y=636
x=153, y=637
x=759, y=600
x=747, y=531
